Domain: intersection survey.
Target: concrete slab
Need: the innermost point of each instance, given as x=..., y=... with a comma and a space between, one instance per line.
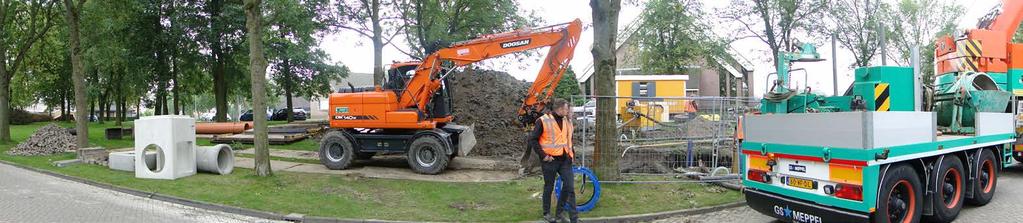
x=459, y=163
x=387, y=172
x=275, y=165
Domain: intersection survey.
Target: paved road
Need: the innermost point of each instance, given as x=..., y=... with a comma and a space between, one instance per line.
x=27, y=196
x=1004, y=207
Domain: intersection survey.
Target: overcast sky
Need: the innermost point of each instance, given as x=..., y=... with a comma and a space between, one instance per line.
x=356, y=52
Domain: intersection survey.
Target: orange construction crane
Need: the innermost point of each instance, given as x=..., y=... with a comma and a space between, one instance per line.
x=412, y=113
x=987, y=48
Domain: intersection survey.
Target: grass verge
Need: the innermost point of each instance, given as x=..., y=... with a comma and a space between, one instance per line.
x=365, y=198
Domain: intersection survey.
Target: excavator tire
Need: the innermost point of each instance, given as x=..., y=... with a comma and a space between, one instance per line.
x=427, y=155
x=336, y=151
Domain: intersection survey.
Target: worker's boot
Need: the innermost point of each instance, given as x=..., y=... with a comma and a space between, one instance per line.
x=563, y=217
x=549, y=219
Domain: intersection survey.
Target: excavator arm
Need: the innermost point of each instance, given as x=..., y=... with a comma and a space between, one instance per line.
x=561, y=38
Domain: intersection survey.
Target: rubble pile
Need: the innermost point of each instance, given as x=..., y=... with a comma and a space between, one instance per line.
x=47, y=140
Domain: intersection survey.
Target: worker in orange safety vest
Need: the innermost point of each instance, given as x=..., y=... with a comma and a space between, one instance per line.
x=552, y=138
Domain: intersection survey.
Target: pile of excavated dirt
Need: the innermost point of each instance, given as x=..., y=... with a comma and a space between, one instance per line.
x=490, y=100
x=48, y=140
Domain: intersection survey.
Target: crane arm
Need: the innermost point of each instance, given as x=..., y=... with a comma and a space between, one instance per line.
x=1006, y=20
x=561, y=38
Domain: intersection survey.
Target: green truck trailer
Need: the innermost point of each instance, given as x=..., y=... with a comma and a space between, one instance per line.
x=886, y=151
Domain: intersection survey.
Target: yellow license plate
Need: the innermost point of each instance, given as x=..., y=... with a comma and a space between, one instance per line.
x=801, y=183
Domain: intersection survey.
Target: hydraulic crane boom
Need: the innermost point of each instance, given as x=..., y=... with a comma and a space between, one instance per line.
x=561, y=38
x=987, y=48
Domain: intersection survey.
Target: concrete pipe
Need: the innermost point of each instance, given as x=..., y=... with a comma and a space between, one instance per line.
x=218, y=159
x=221, y=128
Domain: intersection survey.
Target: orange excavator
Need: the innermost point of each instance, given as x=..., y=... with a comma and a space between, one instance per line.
x=411, y=113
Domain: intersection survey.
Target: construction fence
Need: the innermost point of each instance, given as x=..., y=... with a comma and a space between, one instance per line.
x=667, y=136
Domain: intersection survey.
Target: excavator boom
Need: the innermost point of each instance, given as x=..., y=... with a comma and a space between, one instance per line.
x=561, y=38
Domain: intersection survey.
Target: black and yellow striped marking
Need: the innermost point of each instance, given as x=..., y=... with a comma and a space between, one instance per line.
x=882, y=101
x=967, y=64
x=968, y=50
x=969, y=47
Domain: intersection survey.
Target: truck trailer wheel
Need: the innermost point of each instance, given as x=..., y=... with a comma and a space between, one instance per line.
x=336, y=151
x=949, y=197
x=899, y=199
x=427, y=155
x=987, y=179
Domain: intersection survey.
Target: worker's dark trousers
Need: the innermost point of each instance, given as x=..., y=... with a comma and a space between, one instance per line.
x=559, y=167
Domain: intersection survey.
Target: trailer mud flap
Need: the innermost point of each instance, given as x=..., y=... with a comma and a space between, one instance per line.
x=790, y=210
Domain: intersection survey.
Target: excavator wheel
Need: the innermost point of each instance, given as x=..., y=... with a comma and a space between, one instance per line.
x=427, y=155
x=336, y=151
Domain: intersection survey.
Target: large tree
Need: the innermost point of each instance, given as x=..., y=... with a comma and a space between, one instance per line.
x=257, y=69
x=431, y=25
x=919, y=25
x=672, y=36
x=605, y=29
x=373, y=19
x=73, y=15
x=774, y=22
x=22, y=24
x=860, y=25
x=300, y=68
x=223, y=33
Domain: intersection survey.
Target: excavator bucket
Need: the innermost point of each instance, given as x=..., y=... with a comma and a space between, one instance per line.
x=466, y=140
x=466, y=137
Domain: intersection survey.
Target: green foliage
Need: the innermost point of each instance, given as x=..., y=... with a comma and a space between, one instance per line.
x=858, y=25
x=672, y=36
x=568, y=87
x=431, y=25
x=774, y=22
x=299, y=68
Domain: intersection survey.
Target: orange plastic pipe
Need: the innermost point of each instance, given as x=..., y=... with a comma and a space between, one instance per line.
x=221, y=128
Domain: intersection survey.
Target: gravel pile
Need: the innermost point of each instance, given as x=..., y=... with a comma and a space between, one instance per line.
x=48, y=140
x=490, y=100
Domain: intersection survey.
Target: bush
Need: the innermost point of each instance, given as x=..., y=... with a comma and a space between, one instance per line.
x=22, y=117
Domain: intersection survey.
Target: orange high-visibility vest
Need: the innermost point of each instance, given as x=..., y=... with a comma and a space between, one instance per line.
x=556, y=140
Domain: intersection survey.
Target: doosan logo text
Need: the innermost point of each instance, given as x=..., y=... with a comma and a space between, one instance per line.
x=516, y=43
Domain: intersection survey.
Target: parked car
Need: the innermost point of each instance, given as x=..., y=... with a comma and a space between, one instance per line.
x=206, y=117
x=590, y=108
x=247, y=116
x=282, y=115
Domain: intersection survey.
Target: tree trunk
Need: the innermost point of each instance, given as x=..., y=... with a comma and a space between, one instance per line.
x=5, y=105
x=378, y=46
x=102, y=108
x=92, y=108
x=77, y=73
x=605, y=25
x=257, y=69
x=288, y=89
x=219, y=79
x=175, y=87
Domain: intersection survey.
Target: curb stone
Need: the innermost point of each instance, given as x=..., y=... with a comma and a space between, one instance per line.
x=316, y=219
